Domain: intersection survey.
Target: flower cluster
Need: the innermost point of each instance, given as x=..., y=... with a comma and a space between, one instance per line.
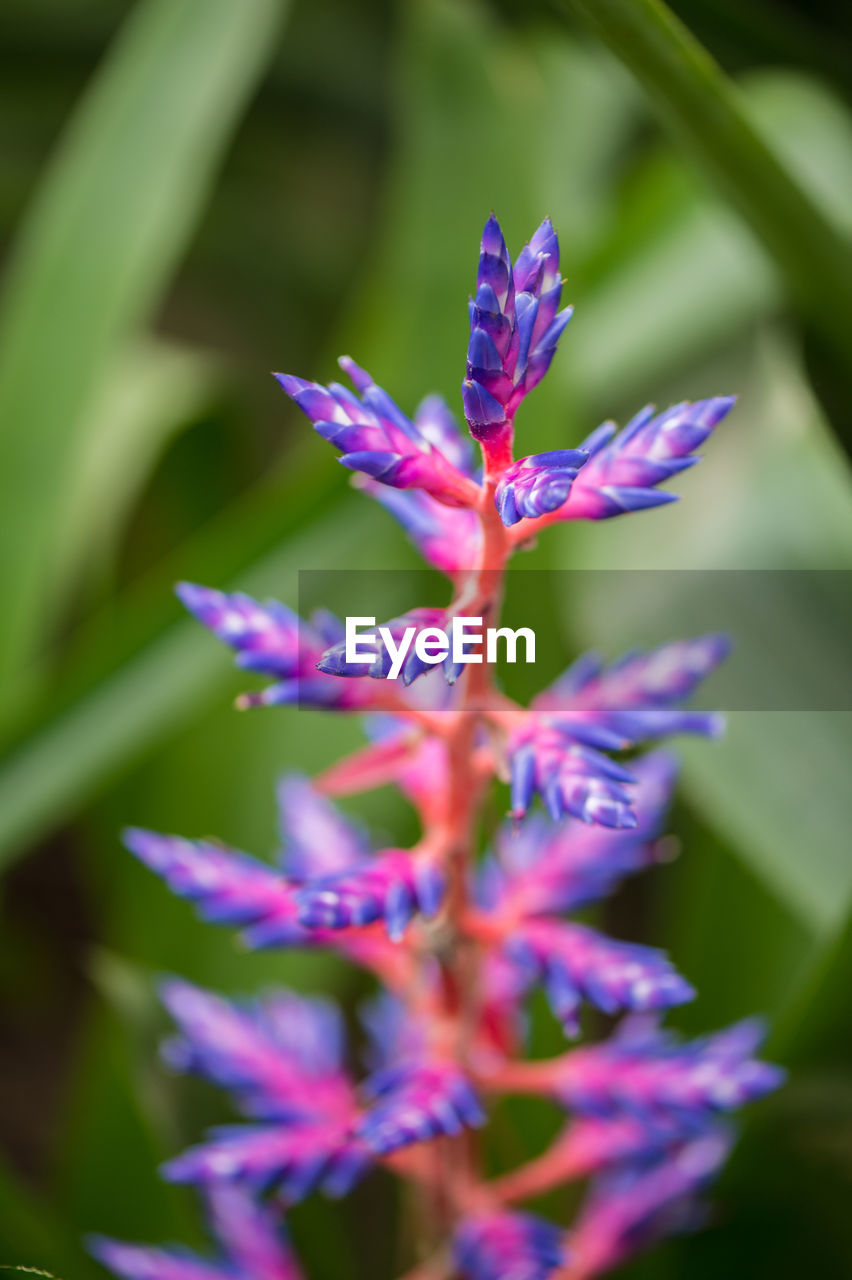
x=458, y=942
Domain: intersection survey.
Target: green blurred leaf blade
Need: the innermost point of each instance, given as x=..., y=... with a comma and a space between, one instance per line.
x=155, y=389
x=703, y=107
x=109, y=223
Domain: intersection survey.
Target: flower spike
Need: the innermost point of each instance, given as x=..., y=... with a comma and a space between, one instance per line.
x=633, y=1207
x=390, y=887
x=293, y=1160
x=233, y=888
x=636, y=698
x=264, y=637
x=375, y=437
x=229, y=887
x=554, y=750
x=272, y=640
x=494, y=1246
x=624, y=469
x=536, y=485
x=658, y=678
x=574, y=962
x=252, y=1240
x=545, y=867
x=515, y=326
x=655, y=1078
x=415, y=1103
x=571, y=779
x=459, y=942
x=318, y=840
x=280, y=1056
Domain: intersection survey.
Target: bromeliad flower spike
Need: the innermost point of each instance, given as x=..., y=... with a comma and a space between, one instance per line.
x=458, y=943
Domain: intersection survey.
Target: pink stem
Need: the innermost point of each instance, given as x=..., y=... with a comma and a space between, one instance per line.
x=558, y=1164
x=456, y=1163
x=540, y=1077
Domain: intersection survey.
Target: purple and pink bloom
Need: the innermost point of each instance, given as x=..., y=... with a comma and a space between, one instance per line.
x=458, y=943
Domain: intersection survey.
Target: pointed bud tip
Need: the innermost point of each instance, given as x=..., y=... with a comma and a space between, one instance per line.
x=493, y=242
x=359, y=377
x=133, y=837
x=716, y=725
x=291, y=384
x=193, y=596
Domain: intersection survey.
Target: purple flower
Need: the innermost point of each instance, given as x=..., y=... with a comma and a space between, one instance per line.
x=652, y=1076
x=575, y=962
x=556, y=749
x=317, y=839
x=497, y=1246
x=594, y=1144
x=272, y=640
x=252, y=1240
x=458, y=942
x=571, y=779
x=375, y=437
x=515, y=326
x=624, y=469
x=280, y=1056
x=265, y=636
x=630, y=1208
x=416, y=1102
x=392, y=886
x=636, y=697
x=292, y=1159
x=228, y=887
x=536, y=485
x=545, y=867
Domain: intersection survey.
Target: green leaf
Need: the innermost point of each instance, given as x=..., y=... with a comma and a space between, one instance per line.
x=775, y=787
x=811, y=131
x=110, y=221
x=154, y=390
x=697, y=279
x=699, y=103
x=106, y=1113
x=813, y=1030
x=33, y=1271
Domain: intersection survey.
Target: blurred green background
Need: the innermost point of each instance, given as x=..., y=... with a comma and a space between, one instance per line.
x=194, y=192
